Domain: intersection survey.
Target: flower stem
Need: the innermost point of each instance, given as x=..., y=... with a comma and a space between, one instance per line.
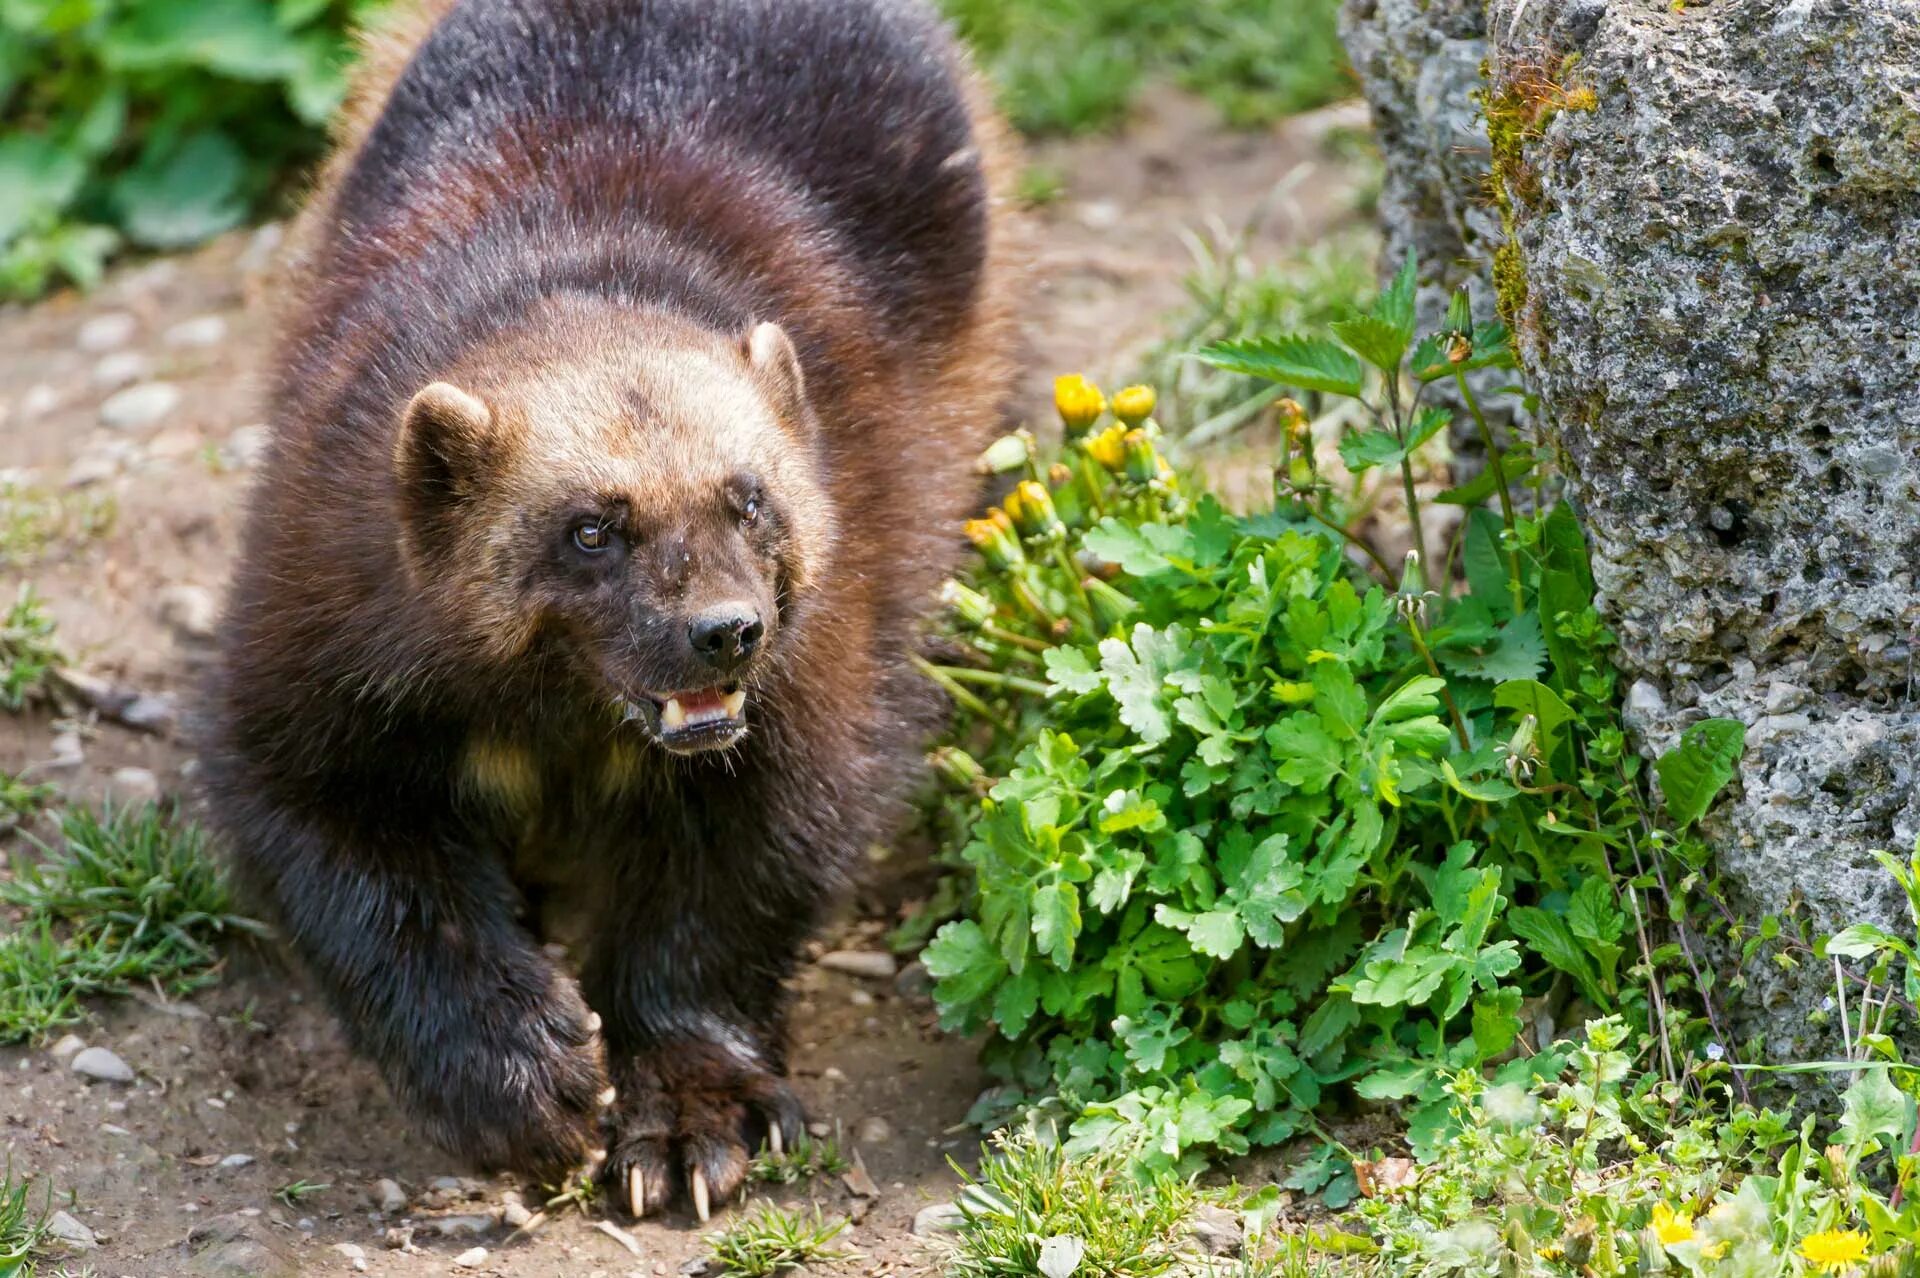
x=1497, y=460
x=990, y=679
x=966, y=700
x=1446, y=693
x=1364, y=546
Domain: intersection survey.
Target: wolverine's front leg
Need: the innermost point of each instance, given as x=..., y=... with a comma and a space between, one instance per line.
x=686, y=971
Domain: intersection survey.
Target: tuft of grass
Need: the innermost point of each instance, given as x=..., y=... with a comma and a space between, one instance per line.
x=1072, y=66
x=1231, y=298
x=805, y=1160
x=20, y=800
x=769, y=1239
x=35, y=520
x=23, y=1227
x=292, y=1194
x=1040, y=185
x=1029, y=1194
x=27, y=652
x=125, y=898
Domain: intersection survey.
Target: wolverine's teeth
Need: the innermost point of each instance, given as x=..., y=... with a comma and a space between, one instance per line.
x=734, y=702
x=672, y=715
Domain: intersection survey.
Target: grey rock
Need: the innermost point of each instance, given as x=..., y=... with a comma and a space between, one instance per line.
x=201, y=330
x=120, y=368
x=71, y=1232
x=875, y=965
x=65, y=751
x=937, y=1219
x=246, y=446
x=472, y=1258
x=1721, y=264
x=193, y=611
x=1216, y=1229
x=151, y=711
x=105, y=332
x=234, y=1161
x=461, y=1226
x=101, y=1065
x=67, y=1046
x=514, y=1215
x=134, y=785
x=139, y=407
x=96, y=465
x=39, y=400
x=873, y=1130
x=914, y=981
x=388, y=1197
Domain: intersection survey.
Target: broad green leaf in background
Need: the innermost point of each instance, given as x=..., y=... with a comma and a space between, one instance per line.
x=1693, y=773
x=186, y=195
x=1310, y=363
x=37, y=179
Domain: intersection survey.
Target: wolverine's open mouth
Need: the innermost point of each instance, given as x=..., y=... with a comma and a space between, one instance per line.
x=688, y=722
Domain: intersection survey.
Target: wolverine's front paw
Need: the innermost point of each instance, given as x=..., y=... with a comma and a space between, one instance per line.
x=516, y=1086
x=691, y=1114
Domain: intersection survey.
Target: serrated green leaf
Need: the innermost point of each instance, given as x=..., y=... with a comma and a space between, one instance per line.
x=1693, y=773
x=1310, y=363
x=1215, y=933
x=1376, y=341
x=1548, y=935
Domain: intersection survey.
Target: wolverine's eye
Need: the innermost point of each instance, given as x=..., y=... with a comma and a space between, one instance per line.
x=750, y=511
x=592, y=537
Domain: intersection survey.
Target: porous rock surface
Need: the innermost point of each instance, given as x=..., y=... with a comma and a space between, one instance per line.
x=1720, y=250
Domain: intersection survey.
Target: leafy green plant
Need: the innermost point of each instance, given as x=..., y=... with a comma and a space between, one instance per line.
x=27, y=652
x=35, y=520
x=1277, y=826
x=152, y=123
x=23, y=1226
x=807, y=1158
x=768, y=1239
x=122, y=900
x=295, y=1192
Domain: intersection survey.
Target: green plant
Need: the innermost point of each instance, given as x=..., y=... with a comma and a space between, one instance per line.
x=768, y=1239
x=806, y=1159
x=1034, y=1210
x=27, y=653
x=153, y=123
x=1279, y=826
x=33, y=520
x=129, y=898
x=295, y=1192
x=1067, y=66
x=23, y=1227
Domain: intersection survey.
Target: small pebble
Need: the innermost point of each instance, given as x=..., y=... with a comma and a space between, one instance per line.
x=153, y=711
x=873, y=1130
x=873, y=964
x=455, y=1226
x=65, y=751
x=237, y=1160
x=193, y=611
x=514, y=1215
x=389, y=1197
x=246, y=446
x=860, y=998
x=939, y=1218
x=105, y=332
x=101, y=1064
x=92, y=467
x=471, y=1258
x=71, y=1232
x=833, y=1074
x=120, y=369
x=913, y=981
x=201, y=330
x=40, y=399
x=134, y=785
x=67, y=1046
x=139, y=407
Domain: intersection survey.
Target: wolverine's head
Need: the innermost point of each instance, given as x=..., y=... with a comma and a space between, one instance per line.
x=633, y=495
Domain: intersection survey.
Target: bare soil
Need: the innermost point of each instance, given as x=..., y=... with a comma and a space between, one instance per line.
x=252, y=1067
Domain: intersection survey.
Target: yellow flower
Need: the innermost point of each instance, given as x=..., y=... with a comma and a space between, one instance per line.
x=1079, y=401
x=1109, y=448
x=1834, y=1249
x=1134, y=404
x=1673, y=1227
x=1715, y=1250
x=1030, y=506
x=993, y=537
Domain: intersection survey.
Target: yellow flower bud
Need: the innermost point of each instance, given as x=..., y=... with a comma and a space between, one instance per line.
x=1142, y=462
x=1079, y=401
x=993, y=538
x=1030, y=506
x=1108, y=448
x=1134, y=404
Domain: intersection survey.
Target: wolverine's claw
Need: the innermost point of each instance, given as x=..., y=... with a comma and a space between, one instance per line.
x=700, y=1205
x=593, y=1022
x=636, y=1192
x=774, y=1140
x=609, y=1096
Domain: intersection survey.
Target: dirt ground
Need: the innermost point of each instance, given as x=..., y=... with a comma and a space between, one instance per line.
x=249, y=1087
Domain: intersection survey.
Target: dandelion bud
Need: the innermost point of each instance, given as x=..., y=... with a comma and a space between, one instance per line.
x=1134, y=404
x=970, y=606
x=1009, y=452
x=1031, y=508
x=1292, y=417
x=1410, y=601
x=1142, y=462
x=1068, y=500
x=993, y=538
x=1079, y=401
x=1108, y=448
x=1459, y=347
x=1111, y=607
x=1300, y=475
x=957, y=768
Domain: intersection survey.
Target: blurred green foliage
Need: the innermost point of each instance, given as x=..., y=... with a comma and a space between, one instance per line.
x=1068, y=66
x=153, y=123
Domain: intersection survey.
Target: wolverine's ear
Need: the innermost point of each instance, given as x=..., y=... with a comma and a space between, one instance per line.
x=446, y=441
x=777, y=364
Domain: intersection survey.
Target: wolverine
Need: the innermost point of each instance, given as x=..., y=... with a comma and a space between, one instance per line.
x=632, y=362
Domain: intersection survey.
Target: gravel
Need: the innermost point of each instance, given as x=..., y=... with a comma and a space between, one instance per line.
x=105, y=332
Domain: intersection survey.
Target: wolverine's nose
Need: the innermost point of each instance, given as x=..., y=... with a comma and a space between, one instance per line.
x=726, y=636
